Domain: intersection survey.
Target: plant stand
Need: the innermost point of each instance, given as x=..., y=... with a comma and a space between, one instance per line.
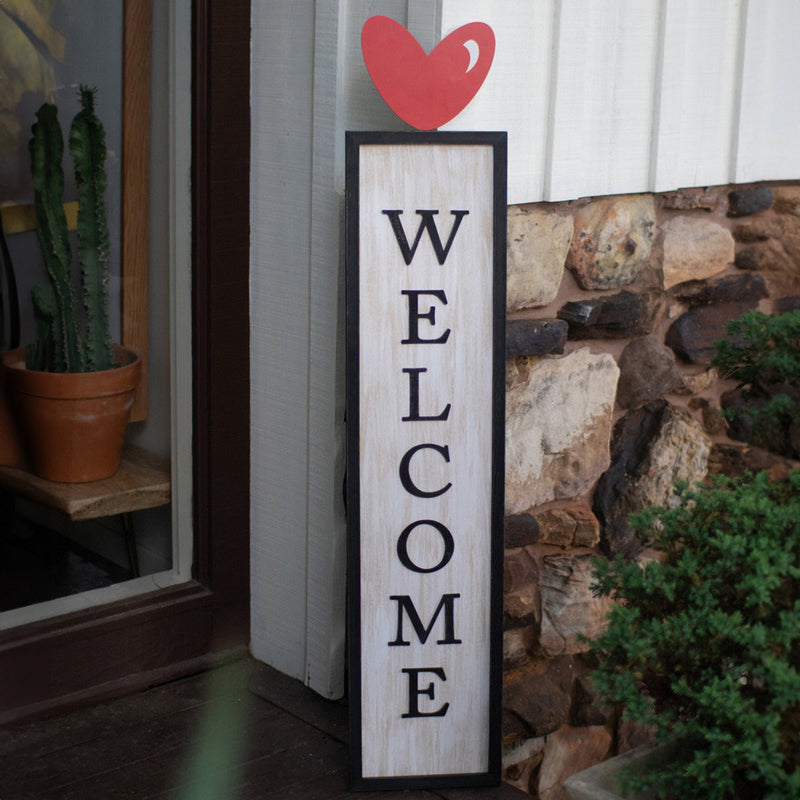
x=142, y=481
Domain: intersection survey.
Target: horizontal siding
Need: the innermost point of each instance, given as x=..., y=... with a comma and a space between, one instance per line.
x=617, y=96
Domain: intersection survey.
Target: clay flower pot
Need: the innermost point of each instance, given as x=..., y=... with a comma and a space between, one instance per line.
x=73, y=423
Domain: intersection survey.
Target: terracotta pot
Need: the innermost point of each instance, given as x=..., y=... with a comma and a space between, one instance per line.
x=73, y=424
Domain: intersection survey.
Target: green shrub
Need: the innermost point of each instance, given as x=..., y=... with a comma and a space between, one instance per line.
x=704, y=645
x=763, y=354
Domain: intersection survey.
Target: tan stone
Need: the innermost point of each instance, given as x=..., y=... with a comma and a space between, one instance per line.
x=689, y=199
x=786, y=200
x=537, y=249
x=558, y=426
x=773, y=248
x=567, y=751
x=518, y=644
x=612, y=241
x=694, y=383
x=569, y=607
x=520, y=589
x=520, y=760
x=694, y=248
x=574, y=525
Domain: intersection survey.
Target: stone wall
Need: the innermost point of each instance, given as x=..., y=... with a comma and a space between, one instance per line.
x=613, y=308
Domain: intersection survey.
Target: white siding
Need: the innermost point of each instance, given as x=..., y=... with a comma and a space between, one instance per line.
x=769, y=123
x=617, y=96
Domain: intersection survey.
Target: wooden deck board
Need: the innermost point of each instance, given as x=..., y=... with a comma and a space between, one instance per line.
x=209, y=735
x=142, y=481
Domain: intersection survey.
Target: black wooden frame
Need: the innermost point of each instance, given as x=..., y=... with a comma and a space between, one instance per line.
x=498, y=142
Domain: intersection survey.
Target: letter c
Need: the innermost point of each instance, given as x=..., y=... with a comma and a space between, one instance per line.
x=405, y=475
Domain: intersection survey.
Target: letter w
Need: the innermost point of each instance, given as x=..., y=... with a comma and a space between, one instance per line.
x=426, y=224
x=404, y=603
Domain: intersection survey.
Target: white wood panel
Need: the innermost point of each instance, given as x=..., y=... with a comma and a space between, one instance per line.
x=459, y=374
x=603, y=112
x=282, y=87
x=616, y=96
x=769, y=125
x=516, y=94
x=698, y=87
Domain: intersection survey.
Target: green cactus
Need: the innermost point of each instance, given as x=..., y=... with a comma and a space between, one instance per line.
x=61, y=345
x=88, y=149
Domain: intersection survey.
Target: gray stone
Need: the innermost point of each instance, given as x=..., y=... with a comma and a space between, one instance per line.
x=534, y=700
x=652, y=447
x=586, y=708
x=778, y=434
x=694, y=248
x=520, y=530
x=618, y=316
x=787, y=304
x=693, y=335
x=744, y=202
x=612, y=241
x=569, y=607
x=647, y=371
x=728, y=289
x=538, y=242
x=558, y=425
x=535, y=337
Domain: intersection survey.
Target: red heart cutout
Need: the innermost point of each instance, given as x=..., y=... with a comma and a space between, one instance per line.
x=426, y=91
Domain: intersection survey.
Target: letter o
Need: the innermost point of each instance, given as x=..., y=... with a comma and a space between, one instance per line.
x=402, y=546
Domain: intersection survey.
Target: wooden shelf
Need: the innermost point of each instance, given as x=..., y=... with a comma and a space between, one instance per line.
x=142, y=481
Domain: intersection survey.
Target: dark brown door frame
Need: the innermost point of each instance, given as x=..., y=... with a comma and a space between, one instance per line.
x=124, y=646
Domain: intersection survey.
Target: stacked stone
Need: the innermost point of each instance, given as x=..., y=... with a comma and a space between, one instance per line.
x=614, y=305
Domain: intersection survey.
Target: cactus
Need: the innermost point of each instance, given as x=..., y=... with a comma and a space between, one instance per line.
x=61, y=344
x=88, y=149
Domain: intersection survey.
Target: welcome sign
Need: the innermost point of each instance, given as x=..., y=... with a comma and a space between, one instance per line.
x=426, y=237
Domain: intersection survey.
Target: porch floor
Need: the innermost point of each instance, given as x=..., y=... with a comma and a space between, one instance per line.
x=238, y=732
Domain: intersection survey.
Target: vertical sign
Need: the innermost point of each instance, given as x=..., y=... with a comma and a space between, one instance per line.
x=426, y=239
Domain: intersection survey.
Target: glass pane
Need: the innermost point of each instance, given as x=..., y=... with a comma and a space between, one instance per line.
x=48, y=48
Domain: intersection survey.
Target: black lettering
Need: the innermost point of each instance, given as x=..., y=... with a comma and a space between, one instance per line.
x=405, y=603
x=405, y=474
x=402, y=546
x=413, y=399
x=414, y=316
x=414, y=692
x=428, y=224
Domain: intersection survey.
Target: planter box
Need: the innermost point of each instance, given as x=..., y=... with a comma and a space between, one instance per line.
x=602, y=781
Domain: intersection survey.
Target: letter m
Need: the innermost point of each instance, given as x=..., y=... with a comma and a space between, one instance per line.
x=428, y=224
x=405, y=604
